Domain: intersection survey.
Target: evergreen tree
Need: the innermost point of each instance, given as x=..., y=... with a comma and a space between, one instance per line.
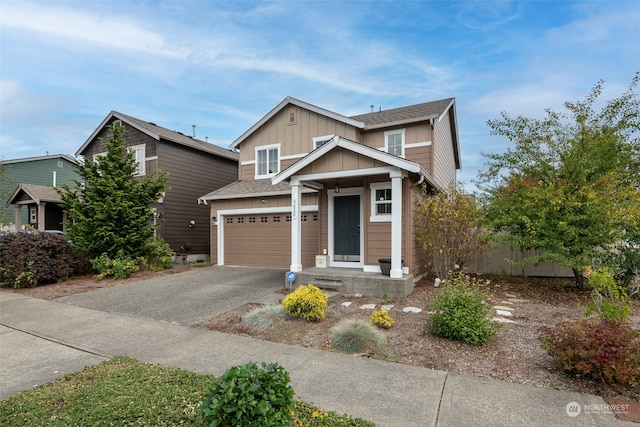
x=109, y=211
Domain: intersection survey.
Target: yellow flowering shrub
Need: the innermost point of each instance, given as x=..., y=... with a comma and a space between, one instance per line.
x=308, y=302
x=381, y=318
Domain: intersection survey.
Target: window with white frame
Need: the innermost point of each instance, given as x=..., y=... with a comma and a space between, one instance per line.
x=394, y=142
x=381, y=201
x=319, y=141
x=33, y=215
x=139, y=152
x=267, y=160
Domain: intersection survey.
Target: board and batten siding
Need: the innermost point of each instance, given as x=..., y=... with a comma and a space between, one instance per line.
x=444, y=165
x=295, y=138
x=191, y=173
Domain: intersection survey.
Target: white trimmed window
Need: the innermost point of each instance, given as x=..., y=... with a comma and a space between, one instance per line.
x=267, y=160
x=394, y=142
x=381, y=201
x=139, y=151
x=319, y=141
x=33, y=215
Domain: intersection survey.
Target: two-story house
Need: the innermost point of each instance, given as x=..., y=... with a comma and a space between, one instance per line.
x=28, y=190
x=192, y=164
x=313, y=182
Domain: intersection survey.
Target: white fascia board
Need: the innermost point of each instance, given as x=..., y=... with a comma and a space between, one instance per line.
x=376, y=154
x=401, y=122
x=258, y=211
x=446, y=110
x=305, y=161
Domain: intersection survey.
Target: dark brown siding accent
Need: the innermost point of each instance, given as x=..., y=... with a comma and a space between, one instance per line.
x=192, y=173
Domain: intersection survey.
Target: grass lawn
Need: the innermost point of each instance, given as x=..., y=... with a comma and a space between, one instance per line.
x=125, y=391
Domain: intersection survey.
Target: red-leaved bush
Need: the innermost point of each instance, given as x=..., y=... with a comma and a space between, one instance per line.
x=606, y=350
x=30, y=259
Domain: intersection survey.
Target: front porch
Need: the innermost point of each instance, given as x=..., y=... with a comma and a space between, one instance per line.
x=354, y=281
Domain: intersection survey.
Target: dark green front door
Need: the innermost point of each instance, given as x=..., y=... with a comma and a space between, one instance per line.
x=346, y=230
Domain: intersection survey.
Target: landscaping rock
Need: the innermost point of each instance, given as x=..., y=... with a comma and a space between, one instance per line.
x=368, y=307
x=411, y=310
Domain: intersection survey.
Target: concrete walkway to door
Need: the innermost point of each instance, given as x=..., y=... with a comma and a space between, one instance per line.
x=187, y=298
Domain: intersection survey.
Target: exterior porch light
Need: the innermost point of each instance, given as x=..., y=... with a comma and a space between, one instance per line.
x=336, y=188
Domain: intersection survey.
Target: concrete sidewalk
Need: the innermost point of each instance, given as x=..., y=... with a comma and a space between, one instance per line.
x=42, y=340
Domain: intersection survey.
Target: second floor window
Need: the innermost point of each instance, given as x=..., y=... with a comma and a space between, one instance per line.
x=267, y=161
x=139, y=152
x=394, y=142
x=319, y=141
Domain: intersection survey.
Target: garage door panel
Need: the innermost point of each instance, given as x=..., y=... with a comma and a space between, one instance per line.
x=265, y=240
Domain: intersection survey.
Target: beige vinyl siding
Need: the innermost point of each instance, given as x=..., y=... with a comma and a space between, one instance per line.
x=444, y=166
x=418, y=258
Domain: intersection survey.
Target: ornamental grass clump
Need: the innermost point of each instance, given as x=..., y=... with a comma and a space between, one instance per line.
x=357, y=336
x=266, y=317
x=250, y=395
x=308, y=302
x=462, y=311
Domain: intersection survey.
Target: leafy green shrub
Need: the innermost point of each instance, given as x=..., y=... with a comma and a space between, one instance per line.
x=598, y=349
x=266, y=317
x=30, y=259
x=250, y=395
x=608, y=299
x=307, y=302
x=381, y=318
x=157, y=254
x=462, y=311
x=119, y=267
x=357, y=336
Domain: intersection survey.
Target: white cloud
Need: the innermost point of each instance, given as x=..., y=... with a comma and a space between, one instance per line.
x=86, y=28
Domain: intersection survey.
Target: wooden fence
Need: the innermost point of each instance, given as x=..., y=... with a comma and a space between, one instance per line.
x=494, y=261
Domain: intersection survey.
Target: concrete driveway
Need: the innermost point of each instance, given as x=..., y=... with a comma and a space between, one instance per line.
x=187, y=298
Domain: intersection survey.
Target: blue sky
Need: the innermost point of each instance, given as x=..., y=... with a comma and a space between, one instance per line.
x=64, y=65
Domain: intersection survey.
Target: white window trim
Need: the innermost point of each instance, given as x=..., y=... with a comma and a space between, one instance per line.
x=140, y=169
x=33, y=215
x=318, y=139
x=395, y=132
x=374, y=217
x=267, y=148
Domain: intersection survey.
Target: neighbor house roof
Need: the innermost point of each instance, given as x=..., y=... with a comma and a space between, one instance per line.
x=37, y=193
x=47, y=157
x=290, y=100
x=157, y=133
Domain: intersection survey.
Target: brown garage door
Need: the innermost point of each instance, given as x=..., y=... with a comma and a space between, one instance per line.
x=265, y=240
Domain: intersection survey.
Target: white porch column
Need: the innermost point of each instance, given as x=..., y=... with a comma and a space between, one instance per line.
x=296, y=227
x=396, y=224
x=41, y=211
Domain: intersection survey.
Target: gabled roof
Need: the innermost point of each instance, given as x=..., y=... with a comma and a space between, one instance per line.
x=47, y=157
x=37, y=193
x=404, y=115
x=158, y=132
x=293, y=101
x=355, y=147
